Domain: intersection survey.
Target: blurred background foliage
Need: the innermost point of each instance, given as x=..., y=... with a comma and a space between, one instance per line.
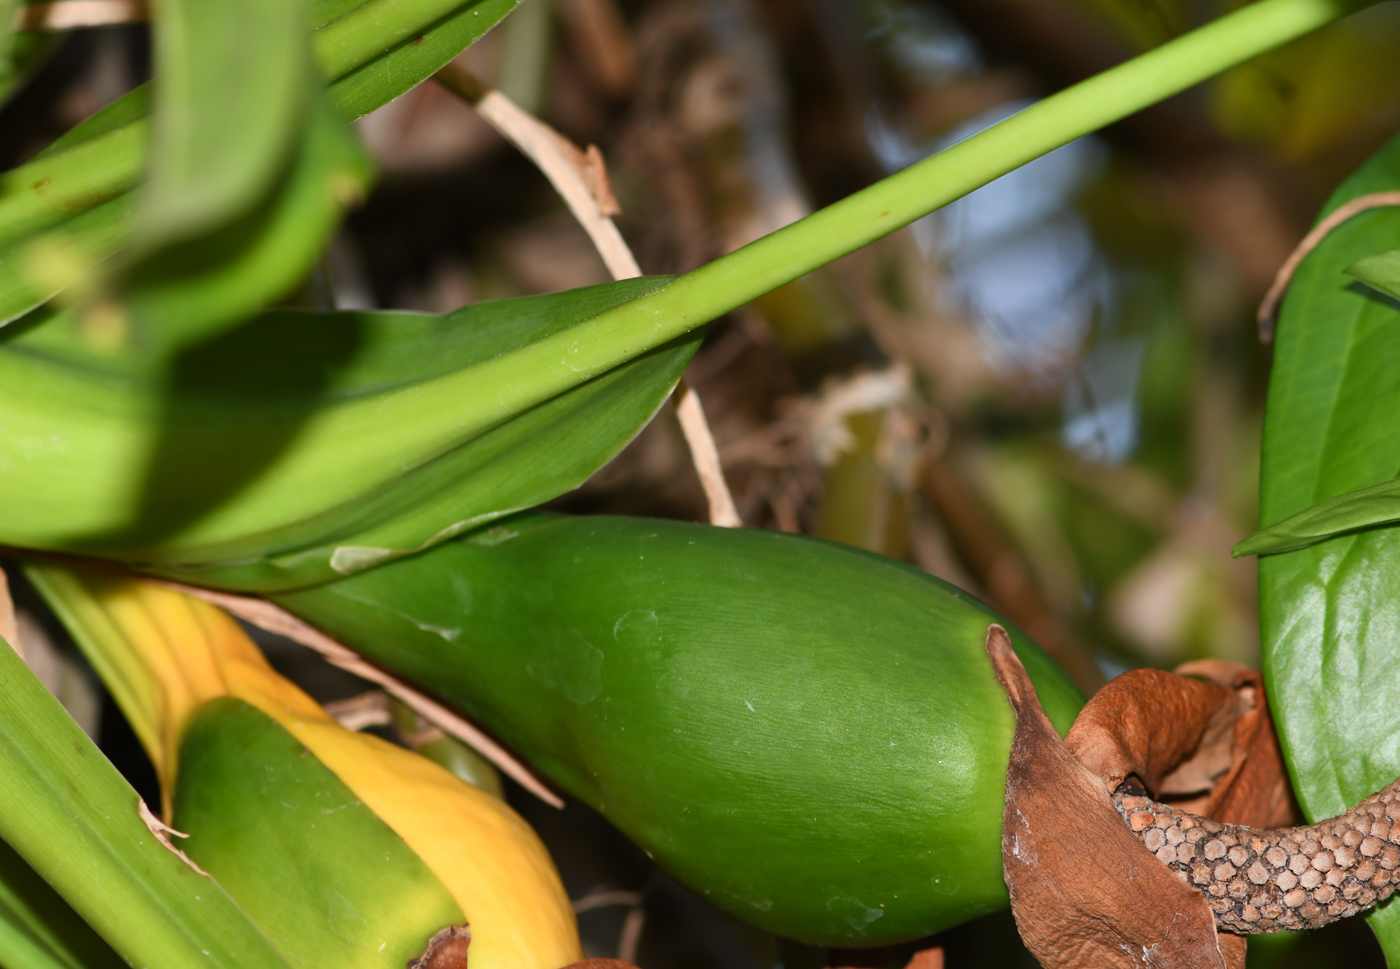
x=1049, y=393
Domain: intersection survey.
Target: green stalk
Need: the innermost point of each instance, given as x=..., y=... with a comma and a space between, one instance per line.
x=70, y=815
x=397, y=430
x=372, y=28
x=54, y=187
x=485, y=393
x=767, y=263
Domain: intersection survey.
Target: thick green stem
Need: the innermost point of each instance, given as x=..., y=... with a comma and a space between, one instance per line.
x=764, y=265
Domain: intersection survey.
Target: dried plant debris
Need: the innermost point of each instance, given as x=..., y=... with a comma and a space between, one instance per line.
x=1084, y=890
x=1269, y=879
x=1201, y=737
x=1082, y=897
x=446, y=950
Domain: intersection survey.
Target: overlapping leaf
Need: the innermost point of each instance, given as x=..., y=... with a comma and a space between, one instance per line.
x=230, y=152
x=296, y=447
x=1330, y=613
x=67, y=812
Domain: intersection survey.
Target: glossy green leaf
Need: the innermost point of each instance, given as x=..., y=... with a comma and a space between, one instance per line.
x=1380, y=272
x=233, y=81
x=38, y=929
x=1330, y=613
x=1377, y=505
x=66, y=811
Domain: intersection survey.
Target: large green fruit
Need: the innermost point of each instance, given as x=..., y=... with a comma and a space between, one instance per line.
x=809, y=735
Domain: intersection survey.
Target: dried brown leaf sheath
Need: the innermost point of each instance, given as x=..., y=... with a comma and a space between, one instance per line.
x=1255, y=790
x=1173, y=732
x=1084, y=890
x=1204, y=730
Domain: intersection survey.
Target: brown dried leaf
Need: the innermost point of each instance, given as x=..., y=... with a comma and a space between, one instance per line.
x=446, y=950
x=1172, y=732
x=1256, y=789
x=1084, y=891
x=1202, y=732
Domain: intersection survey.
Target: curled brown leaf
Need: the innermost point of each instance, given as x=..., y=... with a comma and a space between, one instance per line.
x=1084, y=891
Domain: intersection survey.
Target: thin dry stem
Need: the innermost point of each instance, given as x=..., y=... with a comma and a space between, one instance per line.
x=75, y=14
x=1269, y=308
x=274, y=619
x=581, y=179
x=370, y=709
x=578, y=176
x=706, y=457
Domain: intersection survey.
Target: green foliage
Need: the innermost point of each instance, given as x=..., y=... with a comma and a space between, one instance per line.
x=722, y=689
x=1328, y=611
x=1380, y=272
x=322, y=875
x=1355, y=510
x=67, y=812
x=234, y=85
x=38, y=930
x=297, y=447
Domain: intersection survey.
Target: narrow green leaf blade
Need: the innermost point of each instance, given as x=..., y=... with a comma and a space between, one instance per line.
x=1330, y=613
x=38, y=929
x=69, y=814
x=376, y=82
x=1380, y=272
x=232, y=82
x=1377, y=505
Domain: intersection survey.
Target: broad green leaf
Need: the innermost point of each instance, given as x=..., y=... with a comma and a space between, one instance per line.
x=52, y=188
x=399, y=429
x=38, y=929
x=1330, y=613
x=1377, y=505
x=66, y=811
x=263, y=254
x=233, y=80
x=1380, y=272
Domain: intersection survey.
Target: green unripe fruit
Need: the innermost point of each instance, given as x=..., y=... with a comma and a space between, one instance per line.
x=806, y=734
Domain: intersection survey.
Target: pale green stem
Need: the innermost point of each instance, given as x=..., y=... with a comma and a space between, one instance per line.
x=394, y=428
x=762, y=266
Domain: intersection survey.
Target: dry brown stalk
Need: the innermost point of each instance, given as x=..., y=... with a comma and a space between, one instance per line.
x=581, y=179
x=1269, y=308
x=75, y=14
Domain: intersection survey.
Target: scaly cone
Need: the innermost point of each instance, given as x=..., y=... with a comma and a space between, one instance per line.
x=178, y=668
